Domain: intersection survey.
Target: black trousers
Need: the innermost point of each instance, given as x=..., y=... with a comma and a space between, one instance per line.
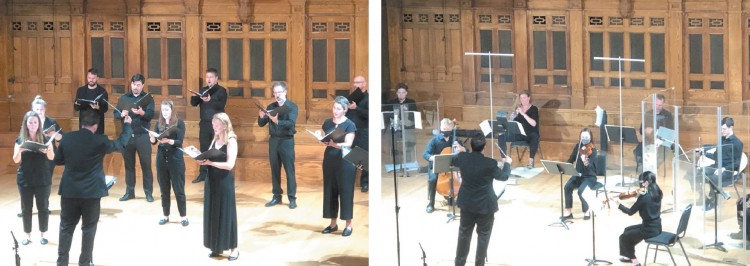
x=631, y=236
x=580, y=183
x=484, y=224
x=338, y=191
x=362, y=140
x=281, y=153
x=41, y=194
x=205, y=136
x=139, y=144
x=73, y=210
x=531, y=137
x=746, y=212
x=170, y=173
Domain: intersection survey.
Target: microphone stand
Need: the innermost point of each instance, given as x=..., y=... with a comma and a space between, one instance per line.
x=424, y=256
x=15, y=248
x=394, y=124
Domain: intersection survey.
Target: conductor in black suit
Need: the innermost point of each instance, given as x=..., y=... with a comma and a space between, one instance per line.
x=477, y=198
x=212, y=101
x=281, y=144
x=82, y=185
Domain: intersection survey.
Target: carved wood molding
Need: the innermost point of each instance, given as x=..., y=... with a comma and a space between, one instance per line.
x=244, y=12
x=191, y=6
x=133, y=6
x=626, y=8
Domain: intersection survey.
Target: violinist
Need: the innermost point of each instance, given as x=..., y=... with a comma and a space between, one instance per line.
x=436, y=145
x=648, y=206
x=476, y=198
x=584, y=155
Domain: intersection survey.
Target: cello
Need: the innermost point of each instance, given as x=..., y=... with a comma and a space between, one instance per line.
x=448, y=183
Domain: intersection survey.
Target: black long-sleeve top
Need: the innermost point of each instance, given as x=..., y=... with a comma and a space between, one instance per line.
x=477, y=173
x=216, y=105
x=34, y=168
x=285, y=128
x=90, y=94
x=650, y=211
x=82, y=153
x=586, y=171
x=360, y=116
x=731, y=153
x=178, y=135
x=140, y=122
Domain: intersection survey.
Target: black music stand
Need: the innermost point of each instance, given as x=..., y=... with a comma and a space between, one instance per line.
x=15, y=248
x=716, y=190
x=590, y=196
x=554, y=167
x=443, y=164
x=627, y=136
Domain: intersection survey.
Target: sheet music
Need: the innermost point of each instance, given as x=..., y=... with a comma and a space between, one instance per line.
x=485, y=127
x=520, y=127
x=418, y=120
x=599, y=115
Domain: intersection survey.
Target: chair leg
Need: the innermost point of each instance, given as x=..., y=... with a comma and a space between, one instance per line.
x=670, y=255
x=656, y=252
x=645, y=257
x=683, y=252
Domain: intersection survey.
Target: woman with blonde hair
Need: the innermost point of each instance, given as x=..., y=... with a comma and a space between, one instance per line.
x=219, y=205
x=34, y=178
x=170, y=166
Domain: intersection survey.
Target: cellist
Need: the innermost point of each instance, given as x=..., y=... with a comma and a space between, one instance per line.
x=443, y=139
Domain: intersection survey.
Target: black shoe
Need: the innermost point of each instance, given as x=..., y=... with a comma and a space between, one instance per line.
x=275, y=200
x=163, y=221
x=624, y=259
x=19, y=214
x=430, y=208
x=200, y=178
x=365, y=188
x=127, y=197
x=736, y=236
x=234, y=257
x=25, y=241
x=347, y=231
x=586, y=217
x=330, y=229
x=149, y=198
x=292, y=203
x=214, y=254
x=185, y=222
x=43, y=241
x=566, y=217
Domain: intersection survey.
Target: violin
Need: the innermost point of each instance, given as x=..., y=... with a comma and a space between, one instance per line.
x=634, y=193
x=587, y=149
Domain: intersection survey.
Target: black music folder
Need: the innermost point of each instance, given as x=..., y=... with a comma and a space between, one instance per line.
x=358, y=157
x=336, y=133
x=273, y=112
x=161, y=135
x=356, y=96
x=94, y=101
x=210, y=154
x=36, y=146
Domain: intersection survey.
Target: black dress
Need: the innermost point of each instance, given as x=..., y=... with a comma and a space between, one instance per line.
x=338, y=176
x=219, y=208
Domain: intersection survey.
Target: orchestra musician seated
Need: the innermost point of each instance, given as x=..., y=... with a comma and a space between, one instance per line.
x=731, y=155
x=583, y=154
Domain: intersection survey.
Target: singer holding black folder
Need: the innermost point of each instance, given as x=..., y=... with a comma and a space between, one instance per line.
x=34, y=179
x=89, y=92
x=82, y=184
x=219, y=203
x=338, y=174
x=359, y=114
x=281, y=129
x=584, y=156
x=212, y=99
x=170, y=165
x=139, y=106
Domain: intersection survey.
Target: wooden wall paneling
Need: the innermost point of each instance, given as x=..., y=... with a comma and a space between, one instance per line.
x=133, y=48
x=78, y=46
x=297, y=59
x=360, y=40
x=194, y=70
x=734, y=77
x=578, y=57
x=394, y=14
x=521, y=45
x=5, y=72
x=469, y=81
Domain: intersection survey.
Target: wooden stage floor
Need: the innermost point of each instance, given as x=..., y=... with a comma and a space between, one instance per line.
x=129, y=234
x=522, y=235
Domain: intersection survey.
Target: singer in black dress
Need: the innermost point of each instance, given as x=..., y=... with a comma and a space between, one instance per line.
x=170, y=166
x=219, y=205
x=34, y=179
x=338, y=174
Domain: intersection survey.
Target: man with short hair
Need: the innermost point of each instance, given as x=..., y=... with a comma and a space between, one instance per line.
x=82, y=184
x=358, y=113
x=140, y=108
x=90, y=92
x=281, y=143
x=664, y=118
x=477, y=198
x=212, y=100
x=731, y=155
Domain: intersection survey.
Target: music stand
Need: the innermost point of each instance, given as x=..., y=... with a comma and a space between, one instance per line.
x=614, y=134
x=443, y=164
x=15, y=248
x=716, y=190
x=554, y=167
x=594, y=206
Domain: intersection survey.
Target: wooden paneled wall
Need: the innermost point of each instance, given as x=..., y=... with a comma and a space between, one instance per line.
x=553, y=48
x=46, y=48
